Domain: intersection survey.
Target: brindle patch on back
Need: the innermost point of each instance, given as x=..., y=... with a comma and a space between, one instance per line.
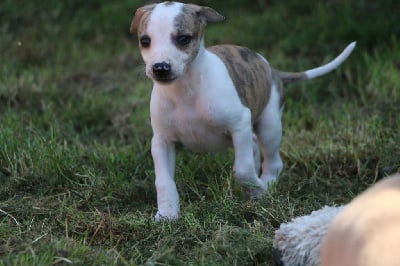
x=250, y=74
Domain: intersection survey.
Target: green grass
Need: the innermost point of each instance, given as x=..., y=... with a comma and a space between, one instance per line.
x=76, y=175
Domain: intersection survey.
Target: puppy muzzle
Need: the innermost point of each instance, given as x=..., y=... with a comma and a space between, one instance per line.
x=162, y=72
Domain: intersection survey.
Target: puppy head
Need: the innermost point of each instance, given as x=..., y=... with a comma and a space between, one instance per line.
x=170, y=36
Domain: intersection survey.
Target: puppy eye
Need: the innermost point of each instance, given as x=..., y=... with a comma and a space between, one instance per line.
x=184, y=39
x=145, y=41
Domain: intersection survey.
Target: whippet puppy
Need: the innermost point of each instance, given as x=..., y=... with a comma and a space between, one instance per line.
x=211, y=98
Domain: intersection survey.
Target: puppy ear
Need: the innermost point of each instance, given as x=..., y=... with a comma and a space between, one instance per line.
x=210, y=14
x=138, y=17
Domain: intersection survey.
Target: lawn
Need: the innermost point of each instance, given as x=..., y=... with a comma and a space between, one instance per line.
x=76, y=174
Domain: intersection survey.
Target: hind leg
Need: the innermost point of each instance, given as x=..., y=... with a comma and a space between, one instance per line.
x=269, y=133
x=244, y=169
x=256, y=154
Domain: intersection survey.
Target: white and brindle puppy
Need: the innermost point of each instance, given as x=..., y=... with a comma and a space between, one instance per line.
x=211, y=99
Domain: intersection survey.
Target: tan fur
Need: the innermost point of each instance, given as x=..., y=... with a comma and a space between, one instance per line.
x=367, y=233
x=141, y=18
x=250, y=74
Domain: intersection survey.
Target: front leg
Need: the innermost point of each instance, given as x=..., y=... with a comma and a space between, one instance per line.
x=163, y=153
x=244, y=167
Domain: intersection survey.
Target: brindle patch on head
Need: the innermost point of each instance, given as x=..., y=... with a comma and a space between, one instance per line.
x=188, y=23
x=250, y=74
x=192, y=21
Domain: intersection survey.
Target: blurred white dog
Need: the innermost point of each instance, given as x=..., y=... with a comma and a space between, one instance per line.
x=365, y=232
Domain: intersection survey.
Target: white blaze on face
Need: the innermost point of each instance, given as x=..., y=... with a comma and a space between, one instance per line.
x=160, y=29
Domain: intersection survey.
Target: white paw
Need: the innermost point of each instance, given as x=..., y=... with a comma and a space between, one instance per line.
x=167, y=215
x=252, y=191
x=269, y=179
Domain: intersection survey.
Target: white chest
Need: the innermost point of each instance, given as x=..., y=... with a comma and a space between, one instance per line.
x=190, y=123
x=200, y=109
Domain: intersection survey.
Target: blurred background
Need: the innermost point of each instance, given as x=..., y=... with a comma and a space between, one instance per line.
x=53, y=28
x=76, y=175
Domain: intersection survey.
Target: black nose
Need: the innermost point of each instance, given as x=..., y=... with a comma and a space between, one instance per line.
x=162, y=69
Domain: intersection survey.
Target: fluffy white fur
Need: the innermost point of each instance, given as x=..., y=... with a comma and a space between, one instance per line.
x=366, y=232
x=298, y=242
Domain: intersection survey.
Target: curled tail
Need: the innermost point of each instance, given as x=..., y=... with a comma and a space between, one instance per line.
x=288, y=77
